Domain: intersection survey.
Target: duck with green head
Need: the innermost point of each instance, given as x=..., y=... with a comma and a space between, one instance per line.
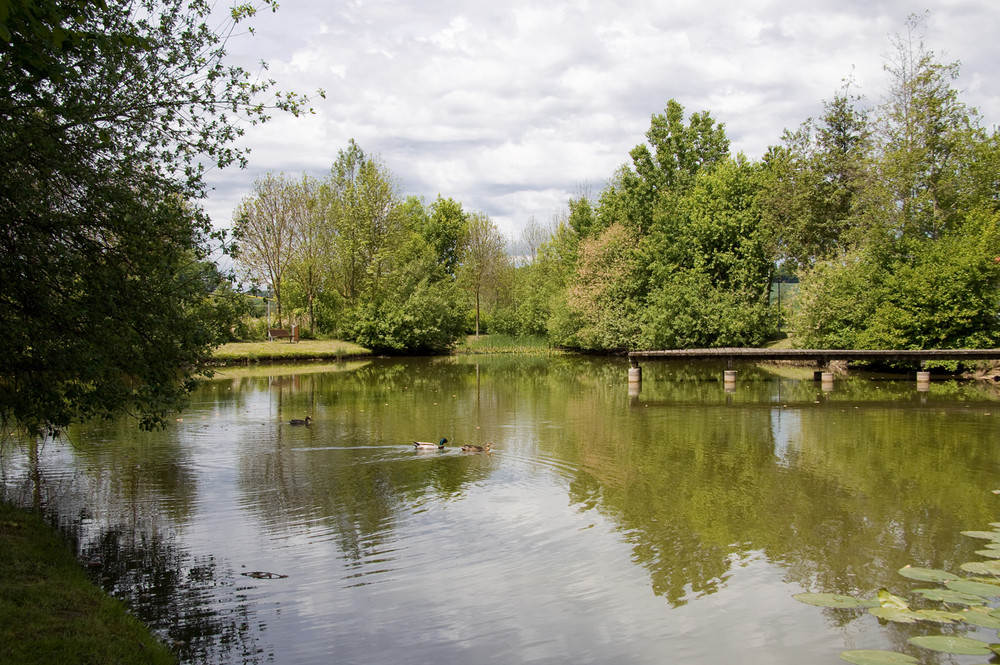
x=427, y=445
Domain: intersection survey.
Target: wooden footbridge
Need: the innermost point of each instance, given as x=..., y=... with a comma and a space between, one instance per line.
x=821, y=357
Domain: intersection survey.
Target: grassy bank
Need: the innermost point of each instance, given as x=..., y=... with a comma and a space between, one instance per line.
x=50, y=612
x=237, y=353
x=278, y=351
x=507, y=344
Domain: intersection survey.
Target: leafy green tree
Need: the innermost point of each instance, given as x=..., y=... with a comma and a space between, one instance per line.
x=712, y=275
x=484, y=261
x=606, y=293
x=110, y=112
x=309, y=242
x=814, y=198
x=925, y=275
x=446, y=230
x=265, y=226
x=364, y=214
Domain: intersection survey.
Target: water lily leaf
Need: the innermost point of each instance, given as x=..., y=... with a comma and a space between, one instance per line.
x=950, y=596
x=951, y=644
x=981, y=617
x=974, y=587
x=991, y=553
x=937, y=616
x=873, y=657
x=984, y=535
x=992, y=546
x=897, y=614
x=982, y=567
x=833, y=600
x=886, y=599
x=927, y=574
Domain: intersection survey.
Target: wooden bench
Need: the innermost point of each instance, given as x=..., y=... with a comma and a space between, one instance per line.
x=275, y=333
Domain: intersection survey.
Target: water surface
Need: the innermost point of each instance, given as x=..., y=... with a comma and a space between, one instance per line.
x=667, y=525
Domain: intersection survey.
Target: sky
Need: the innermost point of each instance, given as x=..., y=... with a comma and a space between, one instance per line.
x=513, y=107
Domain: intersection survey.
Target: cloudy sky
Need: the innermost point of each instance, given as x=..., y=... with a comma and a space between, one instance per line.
x=512, y=107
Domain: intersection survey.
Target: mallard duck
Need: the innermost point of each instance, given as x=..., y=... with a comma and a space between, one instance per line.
x=426, y=445
x=478, y=449
x=297, y=421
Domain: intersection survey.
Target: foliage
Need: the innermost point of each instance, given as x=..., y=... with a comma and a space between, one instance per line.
x=965, y=603
x=109, y=114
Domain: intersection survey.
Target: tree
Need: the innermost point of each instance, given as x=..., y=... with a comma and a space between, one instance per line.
x=925, y=275
x=308, y=242
x=484, y=260
x=814, y=201
x=109, y=114
x=265, y=225
x=365, y=218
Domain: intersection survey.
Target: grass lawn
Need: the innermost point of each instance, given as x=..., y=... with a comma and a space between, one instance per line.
x=507, y=344
x=50, y=612
x=251, y=352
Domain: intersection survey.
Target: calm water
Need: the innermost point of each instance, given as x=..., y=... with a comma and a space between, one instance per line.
x=669, y=526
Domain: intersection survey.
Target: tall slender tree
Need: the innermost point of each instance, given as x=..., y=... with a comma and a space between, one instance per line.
x=265, y=226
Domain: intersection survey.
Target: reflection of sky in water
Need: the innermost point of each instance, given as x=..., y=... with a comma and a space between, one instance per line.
x=547, y=551
x=786, y=428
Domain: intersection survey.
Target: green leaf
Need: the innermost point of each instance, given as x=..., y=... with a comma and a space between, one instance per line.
x=950, y=596
x=974, y=587
x=993, y=553
x=982, y=567
x=873, y=657
x=937, y=616
x=833, y=600
x=983, y=535
x=927, y=574
x=951, y=644
x=887, y=599
x=981, y=617
x=897, y=614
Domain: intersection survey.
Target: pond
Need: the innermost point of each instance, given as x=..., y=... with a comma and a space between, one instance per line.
x=671, y=524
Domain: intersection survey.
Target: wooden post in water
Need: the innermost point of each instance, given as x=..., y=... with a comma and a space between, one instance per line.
x=827, y=381
x=729, y=380
x=923, y=381
x=634, y=373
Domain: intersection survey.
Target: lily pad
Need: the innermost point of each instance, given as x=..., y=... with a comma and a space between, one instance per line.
x=984, y=535
x=982, y=567
x=952, y=644
x=990, y=553
x=974, y=587
x=887, y=599
x=897, y=614
x=874, y=657
x=833, y=600
x=937, y=616
x=981, y=617
x=950, y=596
x=927, y=574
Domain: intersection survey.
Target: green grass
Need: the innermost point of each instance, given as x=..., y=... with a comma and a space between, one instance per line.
x=251, y=352
x=50, y=612
x=507, y=344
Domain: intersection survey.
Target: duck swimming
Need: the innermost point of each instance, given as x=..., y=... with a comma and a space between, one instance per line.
x=296, y=421
x=478, y=449
x=427, y=445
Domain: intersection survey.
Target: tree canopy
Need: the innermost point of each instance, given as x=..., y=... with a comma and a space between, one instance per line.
x=110, y=112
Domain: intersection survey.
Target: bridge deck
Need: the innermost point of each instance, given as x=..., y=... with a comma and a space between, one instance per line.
x=822, y=356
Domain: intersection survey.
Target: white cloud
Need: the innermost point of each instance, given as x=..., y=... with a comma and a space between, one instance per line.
x=511, y=107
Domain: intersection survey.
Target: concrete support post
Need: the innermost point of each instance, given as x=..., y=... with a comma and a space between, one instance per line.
x=923, y=381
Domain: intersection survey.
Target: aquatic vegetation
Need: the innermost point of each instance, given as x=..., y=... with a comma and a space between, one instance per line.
x=966, y=600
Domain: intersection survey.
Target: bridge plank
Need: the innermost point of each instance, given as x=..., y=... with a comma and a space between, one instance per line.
x=822, y=355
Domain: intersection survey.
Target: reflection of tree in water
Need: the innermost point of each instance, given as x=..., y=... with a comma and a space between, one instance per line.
x=195, y=604
x=863, y=492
